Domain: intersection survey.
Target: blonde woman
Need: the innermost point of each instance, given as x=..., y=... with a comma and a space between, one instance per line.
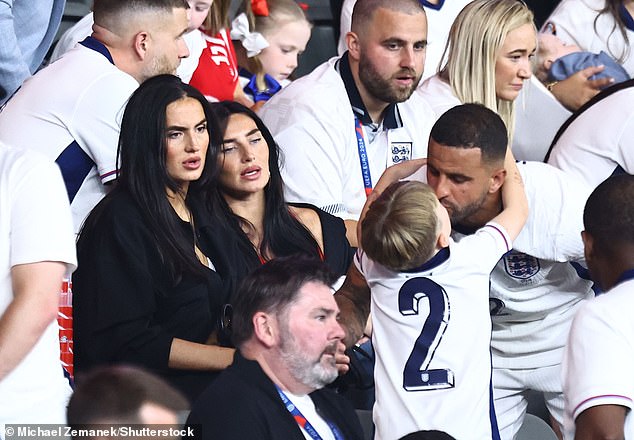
x=488, y=59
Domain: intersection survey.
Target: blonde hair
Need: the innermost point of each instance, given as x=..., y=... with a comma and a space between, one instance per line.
x=400, y=229
x=472, y=49
x=281, y=12
x=218, y=17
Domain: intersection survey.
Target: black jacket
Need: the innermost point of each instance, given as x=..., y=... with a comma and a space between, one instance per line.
x=243, y=403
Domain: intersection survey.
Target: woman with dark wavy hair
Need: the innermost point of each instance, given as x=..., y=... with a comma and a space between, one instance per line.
x=253, y=222
x=146, y=293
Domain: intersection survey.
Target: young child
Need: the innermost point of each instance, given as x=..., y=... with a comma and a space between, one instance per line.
x=430, y=295
x=270, y=36
x=557, y=61
x=198, y=12
x=599, y=358
x=216, y=68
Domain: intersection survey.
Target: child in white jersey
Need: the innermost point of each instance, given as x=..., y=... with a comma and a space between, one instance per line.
x=429, y=295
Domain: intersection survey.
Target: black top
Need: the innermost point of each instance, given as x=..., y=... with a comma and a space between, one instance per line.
x=232, y=264
x=126, y=309
x=243, y=403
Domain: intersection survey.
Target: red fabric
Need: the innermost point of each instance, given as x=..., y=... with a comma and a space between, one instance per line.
x=217, y=73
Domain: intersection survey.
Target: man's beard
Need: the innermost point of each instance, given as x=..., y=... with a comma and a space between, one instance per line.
x=310, y=372
x=459, y=215
x=383, y=89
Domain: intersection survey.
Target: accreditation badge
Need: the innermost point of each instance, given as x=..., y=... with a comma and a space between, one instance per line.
x=401, y=151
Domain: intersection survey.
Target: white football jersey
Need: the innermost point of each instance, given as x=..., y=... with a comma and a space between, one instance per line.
x=431, y=334
x=599, y=360
x=537, y=279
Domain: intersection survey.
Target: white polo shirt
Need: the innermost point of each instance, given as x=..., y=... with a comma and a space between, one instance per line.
x=71, y=112
x=599, y=358
x=35, y=226
x=600, y=141
x=313, y=122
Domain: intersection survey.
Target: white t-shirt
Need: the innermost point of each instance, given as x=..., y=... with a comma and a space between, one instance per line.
x=599, y=140
x=534, y=288
x=534, y=107
x=35, y=226
x=306, y=406
x=574, y=22
x=71, y=112
x=314, y=125
x=598, y=363
x=431, y=333
x=439, y=20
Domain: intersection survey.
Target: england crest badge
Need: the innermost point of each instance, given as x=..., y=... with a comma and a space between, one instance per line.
x=520, y=265
x=401, y=151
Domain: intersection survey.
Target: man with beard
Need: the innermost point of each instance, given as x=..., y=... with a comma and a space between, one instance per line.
x=535, y=289
x=342, y=125
x=70, y=111
x=286, y=330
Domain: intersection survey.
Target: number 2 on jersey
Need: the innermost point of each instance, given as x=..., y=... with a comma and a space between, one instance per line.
x=416, y=375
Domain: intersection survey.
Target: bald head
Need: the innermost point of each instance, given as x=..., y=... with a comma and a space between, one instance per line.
x=364, y=10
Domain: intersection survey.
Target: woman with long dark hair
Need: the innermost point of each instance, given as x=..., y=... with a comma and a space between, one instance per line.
x=146, y=293
x=252, y=221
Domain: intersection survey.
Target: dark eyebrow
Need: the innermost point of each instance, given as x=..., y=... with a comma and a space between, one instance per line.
x=179, y=128
x=459, y=176
x=251, y=132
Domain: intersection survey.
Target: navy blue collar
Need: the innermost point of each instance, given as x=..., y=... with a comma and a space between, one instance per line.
x=625, y=276
x=426, y=4
x=628, y=21
x=97, y=46
x=435, y=261
x=391, y=118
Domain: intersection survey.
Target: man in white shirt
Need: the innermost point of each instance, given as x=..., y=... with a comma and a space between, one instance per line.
x=38, y=248
x=342, y=125
x=71, y=110
x=599, y=358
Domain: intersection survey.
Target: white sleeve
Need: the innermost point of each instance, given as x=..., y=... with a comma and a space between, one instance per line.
x=598, y=362
x=485, y=248
x=312, y=148
x=41, y=223
x=97, y=121
x=556, y=202
x=569, y=18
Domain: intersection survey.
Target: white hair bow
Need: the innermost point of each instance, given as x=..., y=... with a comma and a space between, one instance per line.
x=253, y=42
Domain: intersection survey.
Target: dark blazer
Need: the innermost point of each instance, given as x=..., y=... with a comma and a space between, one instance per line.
x=243, y=403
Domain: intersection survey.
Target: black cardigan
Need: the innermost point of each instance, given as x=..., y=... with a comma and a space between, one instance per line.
x=125, y=308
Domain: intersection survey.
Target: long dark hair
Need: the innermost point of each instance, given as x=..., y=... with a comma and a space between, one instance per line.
x=613, y=8
x=283, y=233
x=143, y=171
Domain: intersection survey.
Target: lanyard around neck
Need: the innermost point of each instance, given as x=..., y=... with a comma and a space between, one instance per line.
x=303, y=422
x=363, y=157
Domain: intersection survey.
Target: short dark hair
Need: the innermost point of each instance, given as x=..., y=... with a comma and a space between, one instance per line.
x=472, y=126
x=363, y=11
x=106, y=11
x=609, y=214
x=272, y=288
x=115, y=394
x=428, y=435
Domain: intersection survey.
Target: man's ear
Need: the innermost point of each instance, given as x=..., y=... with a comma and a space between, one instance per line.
x=547, y=63
x=265, y=328
x=142, y=44
x=354, y=46
x=442, y=242
x=588, y=245
x=497, y=180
